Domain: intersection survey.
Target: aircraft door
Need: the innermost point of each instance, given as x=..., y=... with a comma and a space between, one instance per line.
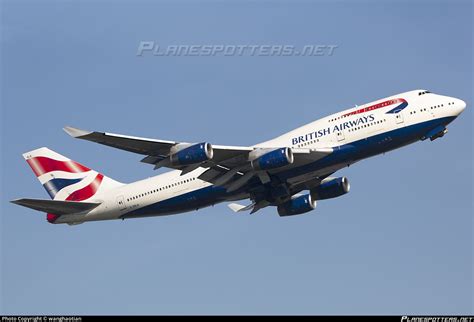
x=340, y=136
x=399, y=117
x=121, y=203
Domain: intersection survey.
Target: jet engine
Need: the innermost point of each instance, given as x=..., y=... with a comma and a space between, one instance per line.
x=192, y=154
x=274, y=159
x=297, y=206
x=331, y=188
x=437, y=132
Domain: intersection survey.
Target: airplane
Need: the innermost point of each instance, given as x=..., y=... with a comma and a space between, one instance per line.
x=291, y=172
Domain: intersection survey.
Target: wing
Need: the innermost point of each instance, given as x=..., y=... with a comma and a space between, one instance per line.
x=229, y=165
x=55, y=206
x=156, y=151
x=128, y=143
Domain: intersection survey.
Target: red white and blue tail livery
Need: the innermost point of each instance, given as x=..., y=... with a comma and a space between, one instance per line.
x=65, y=179
x=291, y=172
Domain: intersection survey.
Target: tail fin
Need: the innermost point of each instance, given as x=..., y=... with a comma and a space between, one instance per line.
x=65, y=179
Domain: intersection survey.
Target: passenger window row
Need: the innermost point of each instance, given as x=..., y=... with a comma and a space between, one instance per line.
x=432, y=107
x=366, y=125
x=307, y=143
x=160, y=189
x=339, y=117
x=421, y=110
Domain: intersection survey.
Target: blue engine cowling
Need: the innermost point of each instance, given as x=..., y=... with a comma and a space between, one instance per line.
x=331, y=188
x=274, y=159
x=193, y=154
x=437, y=132
x=297, y=206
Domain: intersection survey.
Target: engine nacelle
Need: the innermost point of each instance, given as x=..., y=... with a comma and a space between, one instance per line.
x=274, y=159
x=297, y=206
x=437, y=132
x=192, y=154
x=331, y=188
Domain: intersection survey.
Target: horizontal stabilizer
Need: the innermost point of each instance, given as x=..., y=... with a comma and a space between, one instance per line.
x=56, y=207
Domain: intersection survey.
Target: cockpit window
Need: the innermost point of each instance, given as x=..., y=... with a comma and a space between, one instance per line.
x=424, y=92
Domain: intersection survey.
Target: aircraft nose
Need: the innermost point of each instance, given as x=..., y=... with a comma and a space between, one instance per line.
x=460, y=106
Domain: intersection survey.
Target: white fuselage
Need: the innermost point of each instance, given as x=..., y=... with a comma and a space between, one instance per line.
x=369, y=129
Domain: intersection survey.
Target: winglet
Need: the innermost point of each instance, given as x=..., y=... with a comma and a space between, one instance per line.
x=75, y=133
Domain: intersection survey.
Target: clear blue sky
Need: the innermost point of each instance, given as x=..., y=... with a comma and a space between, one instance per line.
x=400, y=242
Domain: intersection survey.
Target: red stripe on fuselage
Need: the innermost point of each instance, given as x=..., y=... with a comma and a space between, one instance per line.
x=88, y=191
x=42, y=165
x=376, y=106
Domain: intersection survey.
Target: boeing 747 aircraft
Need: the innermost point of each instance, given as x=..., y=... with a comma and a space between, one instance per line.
x=291, y=172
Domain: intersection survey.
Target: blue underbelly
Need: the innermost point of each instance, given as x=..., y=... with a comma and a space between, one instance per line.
x=367, y=147
x=346, y=153
x=192, y=200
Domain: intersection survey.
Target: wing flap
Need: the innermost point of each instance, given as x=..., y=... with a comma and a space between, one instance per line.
x=235, y=207
x=56, y=207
